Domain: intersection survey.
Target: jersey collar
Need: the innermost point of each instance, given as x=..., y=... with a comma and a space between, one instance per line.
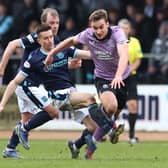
x=106, y=37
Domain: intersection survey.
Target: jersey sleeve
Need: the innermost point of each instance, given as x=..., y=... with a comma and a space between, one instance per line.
x=28, y=40
x=138, y=49
x=119, y=35
x=82, y=37
x=72, y=52
x=28, y=66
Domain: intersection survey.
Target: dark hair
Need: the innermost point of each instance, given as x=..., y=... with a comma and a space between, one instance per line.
x=98, y=14
x=42, y=28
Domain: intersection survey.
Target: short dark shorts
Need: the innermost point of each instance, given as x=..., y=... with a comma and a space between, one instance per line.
x=132, y=88
x=121, y=94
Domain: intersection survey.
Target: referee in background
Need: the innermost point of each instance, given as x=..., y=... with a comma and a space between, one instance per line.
x=135, y=56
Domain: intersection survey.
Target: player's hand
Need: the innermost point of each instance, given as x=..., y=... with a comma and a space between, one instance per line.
x=75, y=63
x=117, y=82
x=49, y=60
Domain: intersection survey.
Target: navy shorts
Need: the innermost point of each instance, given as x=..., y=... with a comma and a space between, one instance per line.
x=121, y=94
x=132, y=88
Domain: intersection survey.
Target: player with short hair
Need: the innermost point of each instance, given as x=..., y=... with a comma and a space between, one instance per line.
x=27, y=107
x=29, y=43
x=109, y=52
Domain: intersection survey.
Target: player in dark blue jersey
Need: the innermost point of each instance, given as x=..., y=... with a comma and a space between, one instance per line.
x=50, y=77
x=29, y=43
x=50, y=17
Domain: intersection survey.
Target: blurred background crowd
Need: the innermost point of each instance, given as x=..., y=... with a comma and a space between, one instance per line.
x=148, y=17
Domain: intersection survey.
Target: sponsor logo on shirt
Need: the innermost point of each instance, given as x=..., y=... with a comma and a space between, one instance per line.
x=56, y=65
x=103, y=55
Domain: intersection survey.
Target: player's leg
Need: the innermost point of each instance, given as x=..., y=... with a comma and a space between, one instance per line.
x=132, y=117
x=37, y=99
x=10, y=150
x=80, y=100
x=132, y=104
x=113, y=100
x=98, y=131
x=82, y=116
x=102, y=120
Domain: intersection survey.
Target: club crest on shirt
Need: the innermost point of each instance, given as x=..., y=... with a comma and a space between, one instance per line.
x=60, y=55
x=91, y=42
x=30, y=38
x=105, y=86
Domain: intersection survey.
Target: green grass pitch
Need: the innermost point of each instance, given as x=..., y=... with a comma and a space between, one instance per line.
x=55, y=154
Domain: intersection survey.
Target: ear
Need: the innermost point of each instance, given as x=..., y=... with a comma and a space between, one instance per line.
x=38, y=40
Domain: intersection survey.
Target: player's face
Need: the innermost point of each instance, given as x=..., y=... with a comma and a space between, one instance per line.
x=53, y=22
x=126, y=28
x=100, y=28
x=46, y=40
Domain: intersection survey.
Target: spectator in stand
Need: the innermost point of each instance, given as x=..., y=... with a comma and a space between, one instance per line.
x=69, y=30
x=130, y=12
x=33, y=26
x=24, y=12
x=145, y=28
x=149, y=8
x=113, y=16
x=158, y=62
x=159, y=17
x=6, y=23
x=165, y=8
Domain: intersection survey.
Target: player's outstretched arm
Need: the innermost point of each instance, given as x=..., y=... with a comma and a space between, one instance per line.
x=122, y=64
x=83, y=54
x=10, y=90
x=77, y=61
x=61, y=46
x=9, y=51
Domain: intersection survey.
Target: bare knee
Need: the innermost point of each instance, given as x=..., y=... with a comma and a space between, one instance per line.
x=91, y=100
x=132, y=106
x=111, y=108
x=52, y=111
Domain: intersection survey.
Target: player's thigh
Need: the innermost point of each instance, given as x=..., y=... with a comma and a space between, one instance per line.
x=34, y=103
x=26, y=105
x=108, y=99
x=79, y=97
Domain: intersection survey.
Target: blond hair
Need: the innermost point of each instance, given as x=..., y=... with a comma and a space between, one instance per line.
x=46, y=11
x=124, y=21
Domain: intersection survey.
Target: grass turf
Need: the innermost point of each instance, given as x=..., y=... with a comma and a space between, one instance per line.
x=55, y=154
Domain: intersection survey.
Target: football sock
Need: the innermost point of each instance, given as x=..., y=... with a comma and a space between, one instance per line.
x=14, y=140
x=132, y=117
x=37, y=120
x=99, y=133
x=81, y=141
x=99, y=116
